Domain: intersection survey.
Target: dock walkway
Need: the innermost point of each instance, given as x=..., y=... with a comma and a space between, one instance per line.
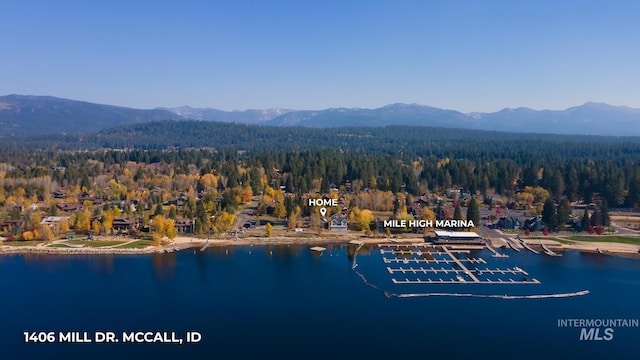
x=549, y=252
x=205, y=245
x=496, y=253
x=524, y=244
x=460, y=264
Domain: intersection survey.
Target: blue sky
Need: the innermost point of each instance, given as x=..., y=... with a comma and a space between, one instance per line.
x=309, y=54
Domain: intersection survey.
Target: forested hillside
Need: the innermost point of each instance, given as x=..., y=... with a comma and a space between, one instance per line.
x=411, y=159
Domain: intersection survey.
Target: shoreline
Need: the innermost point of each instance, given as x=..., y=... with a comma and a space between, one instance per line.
x=183, y=243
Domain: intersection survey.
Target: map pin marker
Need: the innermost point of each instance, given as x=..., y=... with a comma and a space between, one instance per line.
x=323, y=211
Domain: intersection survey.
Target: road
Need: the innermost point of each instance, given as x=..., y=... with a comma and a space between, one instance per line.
x=244, y=217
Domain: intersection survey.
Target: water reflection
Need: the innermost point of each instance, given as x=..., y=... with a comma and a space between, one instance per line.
x=164, y=265
x=103, y=264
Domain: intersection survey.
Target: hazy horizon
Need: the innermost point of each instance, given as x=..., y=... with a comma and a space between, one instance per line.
x=329, y=108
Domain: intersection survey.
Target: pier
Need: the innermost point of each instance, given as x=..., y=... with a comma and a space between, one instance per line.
x=549, y=252
x=460, y=264
x=511, y=244
x=440, y=281
x=415, y=264
x=448, y=267
x=431, y=261
x=524, y=244
x=496, y=253
x=205, y=245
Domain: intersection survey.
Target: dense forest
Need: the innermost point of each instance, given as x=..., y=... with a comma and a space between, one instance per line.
x=412, y=160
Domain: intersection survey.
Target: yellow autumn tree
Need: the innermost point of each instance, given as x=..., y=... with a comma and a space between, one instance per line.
x=224, y=221
x=246, y=194
x=46, y=233
x=268, y=228
x=170, y=229
x=95, y=227
x=293, y=218
x=64, y=226
x=427, y=214
x=83, y=220
x=360, y=218
x=157, y=227
x=208, y=181
x=279, y=210
x=107, y=222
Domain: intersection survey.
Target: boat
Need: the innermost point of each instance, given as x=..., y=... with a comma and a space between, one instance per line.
x=460, y=278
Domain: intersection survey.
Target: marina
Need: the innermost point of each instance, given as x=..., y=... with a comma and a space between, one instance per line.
x=428, y=264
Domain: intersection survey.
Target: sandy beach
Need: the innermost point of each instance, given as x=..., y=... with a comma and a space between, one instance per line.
x=185, y=242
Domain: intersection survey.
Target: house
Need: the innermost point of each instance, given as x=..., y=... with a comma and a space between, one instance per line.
x=180, y=200
x=417, y=208
x=125, y=224
x=185, y=225
x=59, y=194
x=535, y=224
x=508, y=223
x=53, y=220
x=86, y=196
x=337, y=223
x=10, y=226
x=70, y=207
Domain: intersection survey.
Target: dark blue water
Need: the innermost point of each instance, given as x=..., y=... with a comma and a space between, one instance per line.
x=288, y=302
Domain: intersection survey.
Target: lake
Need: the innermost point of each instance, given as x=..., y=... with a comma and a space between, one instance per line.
x=289, y=302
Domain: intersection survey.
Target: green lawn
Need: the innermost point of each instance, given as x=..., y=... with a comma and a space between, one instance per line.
x=607, y=238
x=561, y=240
x=95, y=243
x=140, y=244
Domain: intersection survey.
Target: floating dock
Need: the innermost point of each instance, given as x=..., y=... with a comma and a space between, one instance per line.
x=441, y=264
x=432, y=261
x=318, y=249
x=496, y=253
x=457, y=281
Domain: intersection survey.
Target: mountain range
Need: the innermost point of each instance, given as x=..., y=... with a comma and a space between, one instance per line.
x=27, y=115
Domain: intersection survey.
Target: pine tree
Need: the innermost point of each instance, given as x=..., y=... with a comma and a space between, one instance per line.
x=173, y=213
x=457, y=212
x=549, y=216
x=564, y=211
x=473, y=211
x=604, y=213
